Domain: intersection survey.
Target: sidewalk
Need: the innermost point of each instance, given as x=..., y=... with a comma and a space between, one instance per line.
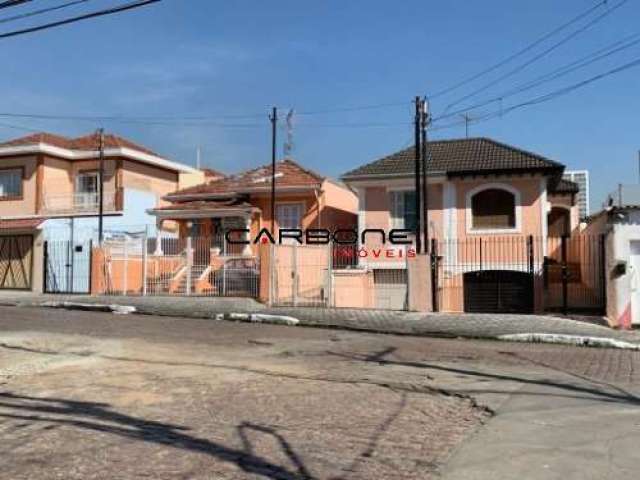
x=380, y=321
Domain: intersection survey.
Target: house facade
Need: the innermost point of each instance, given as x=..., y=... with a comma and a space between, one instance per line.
x=49, y=190
x=485, y=201
x=304, y=199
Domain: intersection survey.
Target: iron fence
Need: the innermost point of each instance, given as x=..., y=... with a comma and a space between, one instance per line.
x=519, y=274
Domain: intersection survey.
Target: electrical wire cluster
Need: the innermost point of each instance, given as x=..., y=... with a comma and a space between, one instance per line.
x=467, y=105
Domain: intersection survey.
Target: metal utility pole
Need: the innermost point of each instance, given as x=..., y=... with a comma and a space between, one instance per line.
x=424, y=121
x=274, y=132
x=101, y=187
x=418, y=154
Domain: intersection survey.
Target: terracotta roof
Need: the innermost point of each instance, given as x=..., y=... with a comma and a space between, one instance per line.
x=85, y=142
x=210, y=172
x=459, y=157
x=22, y=224
x=206, y=205
x=564, y=186
x=288, y=174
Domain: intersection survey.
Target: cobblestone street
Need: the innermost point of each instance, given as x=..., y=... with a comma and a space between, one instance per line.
x=94, y=395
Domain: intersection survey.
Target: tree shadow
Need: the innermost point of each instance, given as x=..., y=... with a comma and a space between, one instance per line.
x=98, y=417
x=618, y=395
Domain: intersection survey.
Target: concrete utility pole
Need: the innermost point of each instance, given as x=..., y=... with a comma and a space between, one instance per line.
x=101, y=187
x=424, y=122
x=274, y=132
x=418, y=155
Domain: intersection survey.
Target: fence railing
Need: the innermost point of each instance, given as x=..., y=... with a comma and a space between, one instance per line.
x=560, y=273
x=87, y=202
x=177, y=266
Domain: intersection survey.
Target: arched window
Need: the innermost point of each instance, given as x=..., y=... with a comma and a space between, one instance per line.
x=493, y=209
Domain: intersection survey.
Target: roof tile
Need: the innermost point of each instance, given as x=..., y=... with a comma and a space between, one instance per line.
x=459, y=157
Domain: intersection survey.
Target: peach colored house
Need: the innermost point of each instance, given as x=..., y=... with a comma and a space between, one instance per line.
x=50, y=182
x=304, y=199
x=479, y=190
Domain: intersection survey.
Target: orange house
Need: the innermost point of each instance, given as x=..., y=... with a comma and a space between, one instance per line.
x=304, y=199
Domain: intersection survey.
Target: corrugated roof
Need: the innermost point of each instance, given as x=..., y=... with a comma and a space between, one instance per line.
x=456, y=157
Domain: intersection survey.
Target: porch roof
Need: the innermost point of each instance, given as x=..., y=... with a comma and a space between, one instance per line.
x=21, y=224
x=205, y=208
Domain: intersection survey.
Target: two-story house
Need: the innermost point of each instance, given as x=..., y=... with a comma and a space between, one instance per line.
x=50, y=190
x=486, y=200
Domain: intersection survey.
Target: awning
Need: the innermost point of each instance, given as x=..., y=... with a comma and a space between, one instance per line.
x=21, y=224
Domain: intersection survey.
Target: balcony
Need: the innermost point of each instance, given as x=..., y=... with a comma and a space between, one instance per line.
x=86, y=203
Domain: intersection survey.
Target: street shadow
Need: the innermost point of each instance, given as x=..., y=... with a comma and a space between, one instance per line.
x=98, y=417
x=571, y=390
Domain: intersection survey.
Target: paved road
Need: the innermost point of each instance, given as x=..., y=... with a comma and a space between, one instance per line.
x=87, y=395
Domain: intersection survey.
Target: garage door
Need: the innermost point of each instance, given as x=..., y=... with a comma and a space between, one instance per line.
x=498, y=291
x=16, y=262
x=390, y=289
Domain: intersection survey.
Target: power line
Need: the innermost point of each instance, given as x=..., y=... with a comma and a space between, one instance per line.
x=542, y=54
x=556, y=93
x=41, y=11
x=87, y=16
x=355, y=109
x=582, y=62
x=519, y=52
x=13, y=3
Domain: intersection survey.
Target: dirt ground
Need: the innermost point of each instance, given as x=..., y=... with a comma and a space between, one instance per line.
x=86, y=395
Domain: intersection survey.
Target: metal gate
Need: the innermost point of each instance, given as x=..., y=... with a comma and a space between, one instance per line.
x=574, y=274
x=498, y=274
x=498, y=291
x=67, y=267
x=16, y=262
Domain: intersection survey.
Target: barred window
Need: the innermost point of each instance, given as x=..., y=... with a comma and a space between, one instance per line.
x=493, y=208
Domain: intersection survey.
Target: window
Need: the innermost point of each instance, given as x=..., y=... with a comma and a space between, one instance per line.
x=11, y=183
x=87, y=191
x=87, y=182
x=289, y=215
x=403, y=210
x=493, y=209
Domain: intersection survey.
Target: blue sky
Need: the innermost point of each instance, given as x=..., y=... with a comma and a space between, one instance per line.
x=220, y=59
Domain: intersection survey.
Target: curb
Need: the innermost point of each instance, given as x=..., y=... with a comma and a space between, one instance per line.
x=574, y=340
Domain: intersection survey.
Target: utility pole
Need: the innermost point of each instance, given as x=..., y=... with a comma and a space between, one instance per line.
x=198, y=158
x=101, y=187
x=424, y=121
x=274, y=131
x=418, y=154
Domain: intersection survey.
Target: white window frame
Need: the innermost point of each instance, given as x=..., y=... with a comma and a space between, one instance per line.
x=396, y=222
x=301, y=205
x=493, y=231
x=19, y=172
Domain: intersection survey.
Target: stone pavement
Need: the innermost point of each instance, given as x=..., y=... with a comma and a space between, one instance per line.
x=380, y=321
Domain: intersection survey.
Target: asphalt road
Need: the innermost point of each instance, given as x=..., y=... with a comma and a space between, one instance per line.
x=88, y=395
